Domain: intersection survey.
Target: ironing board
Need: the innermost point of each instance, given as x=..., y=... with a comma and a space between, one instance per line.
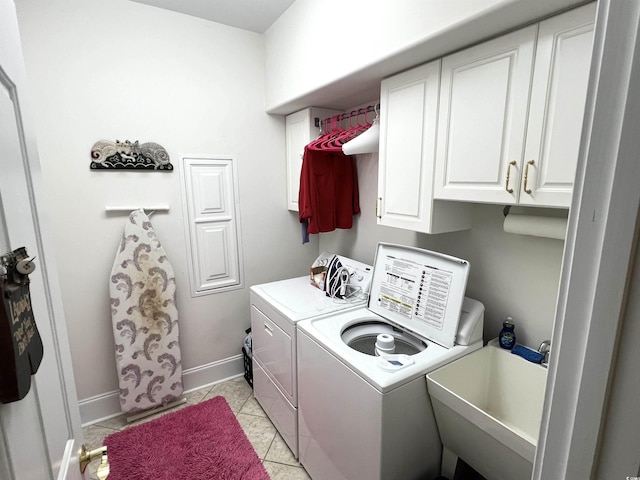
x=145, y=319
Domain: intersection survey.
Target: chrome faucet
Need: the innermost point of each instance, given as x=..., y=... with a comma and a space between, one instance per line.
x=545, y=349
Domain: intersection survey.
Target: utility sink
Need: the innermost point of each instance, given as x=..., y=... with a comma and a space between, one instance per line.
x=488, y=407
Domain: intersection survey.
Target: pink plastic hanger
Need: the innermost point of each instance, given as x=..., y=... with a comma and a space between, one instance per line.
x=335, y=133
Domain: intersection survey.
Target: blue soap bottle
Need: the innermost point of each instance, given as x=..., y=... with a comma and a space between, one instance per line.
x=507, y=337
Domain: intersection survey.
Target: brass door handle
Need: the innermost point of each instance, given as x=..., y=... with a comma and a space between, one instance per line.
x=511, y=163
x=103, y=468
x=87, y=456
x=526, y=177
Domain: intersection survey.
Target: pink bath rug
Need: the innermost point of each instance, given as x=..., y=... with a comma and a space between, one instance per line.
x=200, y=442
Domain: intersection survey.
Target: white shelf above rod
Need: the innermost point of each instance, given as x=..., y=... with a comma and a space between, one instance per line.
x=127, y=208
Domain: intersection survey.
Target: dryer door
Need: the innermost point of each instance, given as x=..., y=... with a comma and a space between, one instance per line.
x=273, y=347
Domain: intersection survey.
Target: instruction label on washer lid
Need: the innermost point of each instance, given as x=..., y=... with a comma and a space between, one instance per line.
x=415, y=290
x=419, y=290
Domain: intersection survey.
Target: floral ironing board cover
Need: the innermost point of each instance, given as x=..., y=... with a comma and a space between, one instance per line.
x=142, y=288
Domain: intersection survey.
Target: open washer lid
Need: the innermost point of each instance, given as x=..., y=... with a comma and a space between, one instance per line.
x=419, y=290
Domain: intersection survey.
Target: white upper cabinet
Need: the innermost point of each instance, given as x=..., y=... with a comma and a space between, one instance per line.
x=558, y=95
x=481, y=127
x=300, y=130
x=497, y=144
x=409, y=107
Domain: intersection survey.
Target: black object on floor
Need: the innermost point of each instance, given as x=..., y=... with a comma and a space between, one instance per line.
x=465, y=472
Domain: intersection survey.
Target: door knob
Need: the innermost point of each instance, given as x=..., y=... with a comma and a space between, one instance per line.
x=103, y=468
x=87, y=456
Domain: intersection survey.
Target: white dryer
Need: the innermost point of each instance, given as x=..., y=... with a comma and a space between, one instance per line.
x=276, y=307
x=368, y=416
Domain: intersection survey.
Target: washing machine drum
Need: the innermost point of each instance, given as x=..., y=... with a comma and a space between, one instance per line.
x=377, y=338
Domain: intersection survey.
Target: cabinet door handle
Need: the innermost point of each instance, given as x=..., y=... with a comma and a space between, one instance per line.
x=511, y=163
x=526, y=176
x=269, y=329
x=379, y=207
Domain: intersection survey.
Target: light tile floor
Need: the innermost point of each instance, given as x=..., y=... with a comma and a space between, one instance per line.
x=267, y=442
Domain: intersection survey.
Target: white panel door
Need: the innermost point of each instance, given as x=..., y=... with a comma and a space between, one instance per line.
x=40, y=435
x=213, y=223
x=558, y=95
x=297, y=127
x=409, y=110
x=481, y=129
x=406, y=162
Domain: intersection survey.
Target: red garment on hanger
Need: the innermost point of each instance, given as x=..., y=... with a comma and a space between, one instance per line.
x=328, y=196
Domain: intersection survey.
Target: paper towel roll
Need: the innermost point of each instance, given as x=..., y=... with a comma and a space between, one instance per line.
x=536, y=225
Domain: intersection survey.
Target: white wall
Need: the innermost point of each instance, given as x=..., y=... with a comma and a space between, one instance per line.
x=115, y=69
x=345, y=36
x=510, y=274
x=338, y=51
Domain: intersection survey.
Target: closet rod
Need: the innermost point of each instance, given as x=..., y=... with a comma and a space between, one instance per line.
x=352, y=113
x=126, y=208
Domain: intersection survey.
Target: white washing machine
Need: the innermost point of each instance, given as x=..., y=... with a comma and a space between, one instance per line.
x=367, y=416
x=276, y=307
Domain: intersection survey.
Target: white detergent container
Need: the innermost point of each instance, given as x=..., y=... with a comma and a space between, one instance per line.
x=363, y=406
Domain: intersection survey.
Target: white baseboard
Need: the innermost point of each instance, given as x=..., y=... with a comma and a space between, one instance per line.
x=107, y=405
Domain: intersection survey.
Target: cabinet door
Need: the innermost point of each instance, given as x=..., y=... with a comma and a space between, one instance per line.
x=558, y=95
x=300, y=130
x=483, y=108
x=408, y=106
x=297, y=127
